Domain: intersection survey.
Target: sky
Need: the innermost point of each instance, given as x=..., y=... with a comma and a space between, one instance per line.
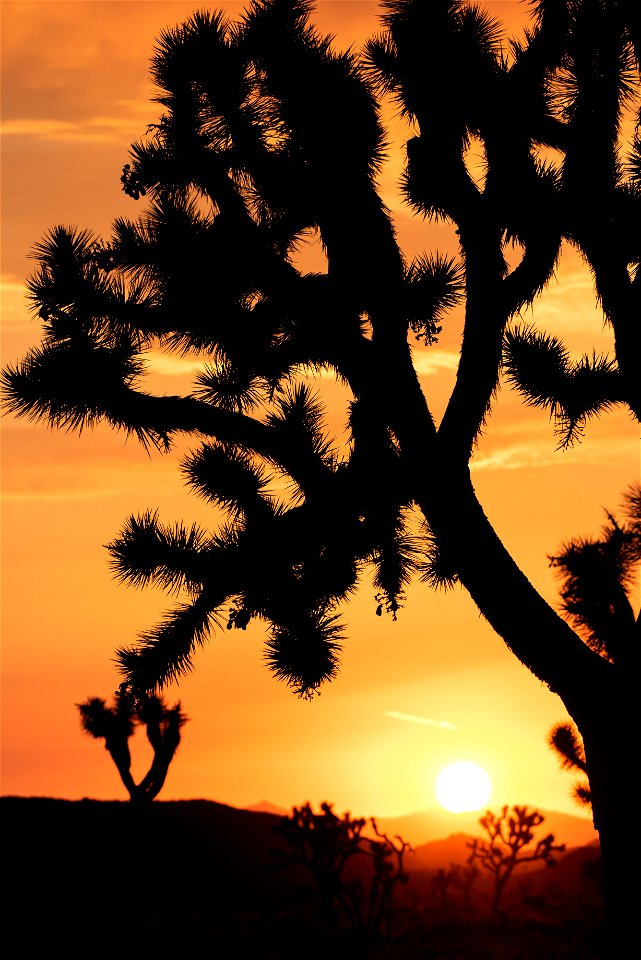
x=435, y=687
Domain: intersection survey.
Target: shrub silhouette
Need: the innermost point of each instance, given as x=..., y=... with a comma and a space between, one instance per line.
x=116, y=725
x=269, y=136
x=509, y=844
x=328, y=845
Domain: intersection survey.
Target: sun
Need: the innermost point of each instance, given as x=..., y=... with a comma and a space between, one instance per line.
x=463, y=787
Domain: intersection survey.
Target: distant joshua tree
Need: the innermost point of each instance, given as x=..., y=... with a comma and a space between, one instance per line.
x=325, y=843
x=511, y=836
x=459, y=877
x=116, y=725
x=599, y=592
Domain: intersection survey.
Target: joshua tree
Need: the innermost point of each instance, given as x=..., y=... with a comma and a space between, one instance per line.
x=328, y=845
x=268, y=136
x=115, y=725
x=461, y=877
x=509, y=844
x=599, y=593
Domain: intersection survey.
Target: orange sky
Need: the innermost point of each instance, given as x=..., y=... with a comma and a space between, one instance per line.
x=75, y=93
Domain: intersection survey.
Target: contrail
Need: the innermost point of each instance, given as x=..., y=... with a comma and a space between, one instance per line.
x=411, y=718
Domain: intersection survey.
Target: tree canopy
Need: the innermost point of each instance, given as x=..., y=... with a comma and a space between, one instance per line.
x=268, y=133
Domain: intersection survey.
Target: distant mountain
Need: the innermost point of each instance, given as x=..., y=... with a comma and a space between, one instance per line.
x=264, y=806
x=439, y=853
x=454, y=849
x=430, y=825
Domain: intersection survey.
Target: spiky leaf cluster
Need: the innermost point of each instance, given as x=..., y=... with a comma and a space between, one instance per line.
x=539, y=366
x=600, y=580
x=565, y=740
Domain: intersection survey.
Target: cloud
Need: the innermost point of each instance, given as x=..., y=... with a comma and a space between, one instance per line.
x=433, y=361
x=425, y=721
x=163, y=364
x=93, y=479
x=522, y=456
x=13, y=303
x=92, y=130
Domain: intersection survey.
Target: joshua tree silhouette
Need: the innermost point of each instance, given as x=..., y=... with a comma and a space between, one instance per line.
x=599, y=593
x=115, y=725
x=268, y=136
x=509, y=843
x=459, y=877
x=325, y=844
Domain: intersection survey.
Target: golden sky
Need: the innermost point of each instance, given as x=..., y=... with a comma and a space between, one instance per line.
x=435, y=687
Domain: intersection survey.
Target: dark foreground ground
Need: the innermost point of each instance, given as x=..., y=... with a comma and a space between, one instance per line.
x=194, y=879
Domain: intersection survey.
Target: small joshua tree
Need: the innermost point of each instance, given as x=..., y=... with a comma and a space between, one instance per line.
x=116, y=725
x=324, y=843
x=511, y=836
x=459, y=877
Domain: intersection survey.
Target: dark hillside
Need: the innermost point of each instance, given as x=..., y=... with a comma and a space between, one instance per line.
x=89, y=871
x=197, y=878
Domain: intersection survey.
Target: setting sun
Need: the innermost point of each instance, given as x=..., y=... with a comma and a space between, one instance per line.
x=463, y=787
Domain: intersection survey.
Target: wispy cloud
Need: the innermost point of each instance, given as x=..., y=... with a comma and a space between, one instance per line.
x=59, y=482
x=522, y=456
x=433, y=361
x=46, y=129
x=13, y=303
x=130, y=122
x=166, y=365
x=424, y=721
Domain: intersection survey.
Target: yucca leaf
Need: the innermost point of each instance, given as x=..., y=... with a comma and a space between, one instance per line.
x=565, y=740
x=434, y=284
x=164, y=654
x=228, y=476
x=101, y=721
x=300, y=418
x=230, y=387
x=74, y=385
x=173, y=558
x=435, y=567
x=304, y=651
x=538, y=365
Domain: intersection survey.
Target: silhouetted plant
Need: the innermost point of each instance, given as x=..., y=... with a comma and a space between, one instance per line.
x=270, y=136
x=465, y=877
x=441, y=883
x=599, y=581
x=509, y=845
x=459, y=877
x=328, y=845
x=116, y=725
x=565, y=740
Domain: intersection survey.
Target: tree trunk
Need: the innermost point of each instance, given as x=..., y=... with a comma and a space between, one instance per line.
x=610, y=741
x=596, y=693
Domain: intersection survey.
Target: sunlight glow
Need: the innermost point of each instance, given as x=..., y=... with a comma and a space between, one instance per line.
x=463, y=787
